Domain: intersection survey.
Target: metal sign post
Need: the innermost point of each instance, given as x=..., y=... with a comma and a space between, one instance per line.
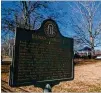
x=47, y=88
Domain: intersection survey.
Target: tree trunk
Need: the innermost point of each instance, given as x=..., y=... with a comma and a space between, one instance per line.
x=92, y=47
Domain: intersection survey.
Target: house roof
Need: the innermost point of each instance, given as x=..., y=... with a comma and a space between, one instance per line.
x=85, y=49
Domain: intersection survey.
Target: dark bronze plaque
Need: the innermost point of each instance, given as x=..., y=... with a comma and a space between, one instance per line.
x=42, y=56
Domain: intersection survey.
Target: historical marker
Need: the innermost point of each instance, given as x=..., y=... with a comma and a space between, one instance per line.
x=41, y=56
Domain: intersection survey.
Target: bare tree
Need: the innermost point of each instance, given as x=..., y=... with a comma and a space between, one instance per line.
x=29, y=12
x=86, y=23
x=24, y=14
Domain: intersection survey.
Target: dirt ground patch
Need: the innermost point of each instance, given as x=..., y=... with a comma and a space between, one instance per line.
x=87, y=79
